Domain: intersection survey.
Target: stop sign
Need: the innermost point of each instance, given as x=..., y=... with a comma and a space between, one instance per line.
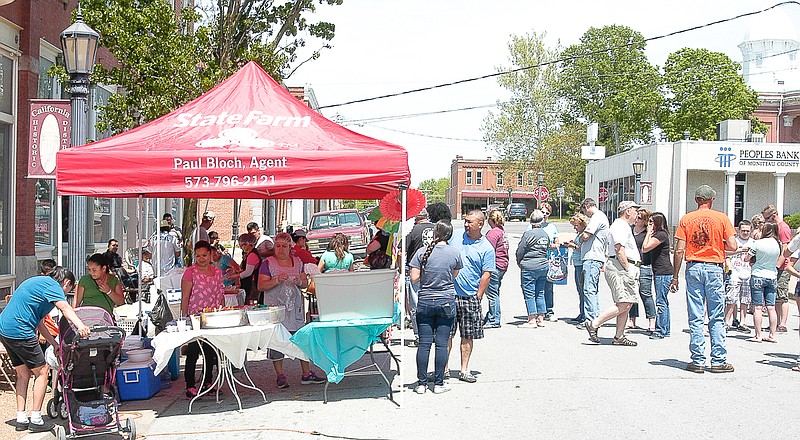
x=541, y=193
x=602, y=195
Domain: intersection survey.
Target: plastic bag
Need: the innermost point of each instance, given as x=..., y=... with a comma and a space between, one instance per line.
x=557, y=268
x=160, y=315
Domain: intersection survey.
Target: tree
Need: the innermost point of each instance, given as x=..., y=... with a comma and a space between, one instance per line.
x=517, y=131
x=703, y=89
x=435, y=189
x=607, y=79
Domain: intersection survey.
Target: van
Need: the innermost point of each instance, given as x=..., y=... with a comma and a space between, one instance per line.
x=517, y=211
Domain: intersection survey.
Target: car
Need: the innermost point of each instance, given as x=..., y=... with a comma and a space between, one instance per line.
x=517, y=211
x=323, y=225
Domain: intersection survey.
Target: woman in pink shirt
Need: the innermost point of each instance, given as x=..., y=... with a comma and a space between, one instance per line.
x=497, y=237
x=201, y=287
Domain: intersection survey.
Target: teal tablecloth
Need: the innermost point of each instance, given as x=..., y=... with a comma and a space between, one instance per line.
x=333, y=346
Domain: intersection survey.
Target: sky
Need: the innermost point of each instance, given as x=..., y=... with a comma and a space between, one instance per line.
x=390, y=46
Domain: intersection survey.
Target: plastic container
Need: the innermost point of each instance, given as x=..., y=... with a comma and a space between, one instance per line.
x=137, y=380
x=166, y=379
x=140, y=355
x=271, y=315
x=223, y=319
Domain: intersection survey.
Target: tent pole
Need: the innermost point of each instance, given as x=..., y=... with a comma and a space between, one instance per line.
x=403, y=284
x=140, y=233
x=59, y=232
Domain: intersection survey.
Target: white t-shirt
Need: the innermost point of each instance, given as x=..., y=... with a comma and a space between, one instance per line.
x=620, y=233
x=596, y=245
x=739, y=266
x=794, y=245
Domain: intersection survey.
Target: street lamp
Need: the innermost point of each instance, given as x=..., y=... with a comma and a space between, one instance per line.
x=540, y=177
x=79, y=44
x=638, y=168
x=510, y=198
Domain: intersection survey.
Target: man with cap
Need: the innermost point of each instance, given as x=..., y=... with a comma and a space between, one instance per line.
x=200, y=233
x=300, y=249
x=622, y=274
x=166, y=247
x=702, y=237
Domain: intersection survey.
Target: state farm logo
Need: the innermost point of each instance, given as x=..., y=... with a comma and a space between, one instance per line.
x=237, y=136
x=254, y=117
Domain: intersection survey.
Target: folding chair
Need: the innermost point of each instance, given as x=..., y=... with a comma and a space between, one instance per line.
x=7, y=370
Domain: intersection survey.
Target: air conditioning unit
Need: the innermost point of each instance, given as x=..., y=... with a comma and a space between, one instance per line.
x=755, y=137
x=733, y=130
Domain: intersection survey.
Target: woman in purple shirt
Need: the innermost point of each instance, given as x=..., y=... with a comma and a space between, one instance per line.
x=497, y=237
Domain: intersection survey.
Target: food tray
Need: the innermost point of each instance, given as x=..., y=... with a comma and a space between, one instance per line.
x=223, y=319
x=272, y=315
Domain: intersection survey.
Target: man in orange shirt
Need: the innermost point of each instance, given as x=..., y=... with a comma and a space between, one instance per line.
x=702, y=237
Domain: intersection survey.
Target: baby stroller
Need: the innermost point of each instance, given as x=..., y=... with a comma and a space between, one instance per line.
x=86, y=394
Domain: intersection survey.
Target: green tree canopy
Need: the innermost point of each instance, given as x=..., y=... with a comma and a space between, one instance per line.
x=607, y=79
x=435, y=189
x=703, y=88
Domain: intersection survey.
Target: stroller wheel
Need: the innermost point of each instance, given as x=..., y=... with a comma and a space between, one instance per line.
x=62, y=410
x=52, y=408
x=130, y=426
x=60, y=432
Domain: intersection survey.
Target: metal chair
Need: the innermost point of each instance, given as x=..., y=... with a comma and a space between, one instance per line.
x=7, y=370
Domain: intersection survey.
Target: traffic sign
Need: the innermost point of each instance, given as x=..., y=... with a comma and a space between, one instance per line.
x=560, y=191
x=602, y=195
x=541, y=193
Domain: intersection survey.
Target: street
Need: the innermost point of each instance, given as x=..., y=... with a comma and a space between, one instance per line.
x=547, y=382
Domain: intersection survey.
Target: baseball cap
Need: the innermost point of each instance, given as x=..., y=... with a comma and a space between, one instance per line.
x=163, y=224
x=209, y=215
x=627, y=204
x=705, y=192
x=299, y=233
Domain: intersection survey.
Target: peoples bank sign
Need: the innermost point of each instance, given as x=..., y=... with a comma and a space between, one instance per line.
x=758, y=157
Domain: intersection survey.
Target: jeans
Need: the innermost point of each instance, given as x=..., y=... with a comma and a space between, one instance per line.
x=646, y=293
x=763, y=290
x=704, y=283
x=591, y=281
x=412, y=298
x=548, y=295
x=533, y=290
x=662, y=304
x=581, y=297
x=209, y=361
x=493, y=295
x=435, y=318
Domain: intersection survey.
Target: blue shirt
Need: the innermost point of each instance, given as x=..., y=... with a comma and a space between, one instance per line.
x=477, y=256
x=29, y=304
x=552, y=231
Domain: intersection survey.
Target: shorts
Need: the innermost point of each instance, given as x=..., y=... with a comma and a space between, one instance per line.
x=24, y=351
x=624, y=284
x=737, y=291
x=782, y=289
x=469, y=318
x=763, y=291
x=275, y=355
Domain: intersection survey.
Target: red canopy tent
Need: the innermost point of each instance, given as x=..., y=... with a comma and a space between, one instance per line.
x=245, y=138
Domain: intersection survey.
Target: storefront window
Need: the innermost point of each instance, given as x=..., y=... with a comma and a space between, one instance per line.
x=43, y=226
x=6, y=204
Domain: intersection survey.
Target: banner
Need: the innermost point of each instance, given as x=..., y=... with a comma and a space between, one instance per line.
x=49, y=132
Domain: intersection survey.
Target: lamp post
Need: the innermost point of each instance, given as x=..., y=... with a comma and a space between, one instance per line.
x=638, y=168
x=540, y=177
x=79, y=44
x=510, y=198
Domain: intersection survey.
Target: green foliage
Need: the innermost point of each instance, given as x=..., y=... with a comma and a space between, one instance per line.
x=704, y=88
x=435, y=189
x=359, y=204
x=793, y=220
x=607, y=79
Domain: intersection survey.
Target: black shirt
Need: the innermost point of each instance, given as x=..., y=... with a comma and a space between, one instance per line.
x=662, y=263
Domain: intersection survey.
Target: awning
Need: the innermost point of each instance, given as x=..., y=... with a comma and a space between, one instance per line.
x=497, y=194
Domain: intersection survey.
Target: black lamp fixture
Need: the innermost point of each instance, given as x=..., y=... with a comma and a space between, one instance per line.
x=79, y=43
x=638, y=168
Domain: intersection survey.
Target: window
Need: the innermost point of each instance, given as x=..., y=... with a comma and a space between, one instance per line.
x=469, y=177
x=500, y=178
x=7, y=161
x=519, y=179
x=529, y=178
x=478, y=177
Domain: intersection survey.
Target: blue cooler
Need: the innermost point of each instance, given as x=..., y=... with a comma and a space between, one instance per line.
x=137, y=381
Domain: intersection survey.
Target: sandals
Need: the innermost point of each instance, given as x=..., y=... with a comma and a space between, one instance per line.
x=796, y=368
x=623, y=341
x=592, y=332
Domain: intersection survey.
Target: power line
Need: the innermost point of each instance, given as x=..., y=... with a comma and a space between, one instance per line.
x=426, y=135
x=519, y=69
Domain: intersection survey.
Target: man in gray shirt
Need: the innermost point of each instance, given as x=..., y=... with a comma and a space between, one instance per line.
x=593, y=238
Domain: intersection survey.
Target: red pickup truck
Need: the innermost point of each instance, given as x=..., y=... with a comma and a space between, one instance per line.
x=324, y=225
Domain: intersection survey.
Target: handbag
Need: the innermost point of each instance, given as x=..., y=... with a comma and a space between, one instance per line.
x=557, y=268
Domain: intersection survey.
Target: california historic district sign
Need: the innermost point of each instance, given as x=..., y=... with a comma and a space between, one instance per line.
x=755, y=157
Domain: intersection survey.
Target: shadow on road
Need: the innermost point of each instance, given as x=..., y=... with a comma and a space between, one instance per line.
x=672, y=363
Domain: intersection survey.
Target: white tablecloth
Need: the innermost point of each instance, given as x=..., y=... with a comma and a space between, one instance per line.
x=232, y=342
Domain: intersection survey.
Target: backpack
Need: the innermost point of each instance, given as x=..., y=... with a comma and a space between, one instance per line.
x=557, y=268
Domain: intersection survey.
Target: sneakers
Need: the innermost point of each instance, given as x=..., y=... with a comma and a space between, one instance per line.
x=491, y=325
x=420, y=388
x=447, y=371
x=439, y=389
x=21, y=426
x=282, y=382
x=742, y=329
x=311, y=378
x=699, y=369
x=529, y=325
x=551, y=318
x=656, y=335
x=467, y=377
x=721, y=368
x=624, y=342
x=592, y=332
x=43, y=427
x=191, y=393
